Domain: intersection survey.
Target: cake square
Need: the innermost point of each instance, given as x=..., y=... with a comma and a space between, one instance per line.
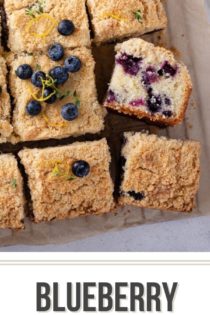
x=148, y=82
x=12, y=201
x=69, y=181
x=160, y=173
x=33, y=24
x=79, y=89
x=114, y=20
x=5, y=106
x=0, y=28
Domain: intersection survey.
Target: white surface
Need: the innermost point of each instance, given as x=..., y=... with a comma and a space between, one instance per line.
x=187, y=235
x=191, y=294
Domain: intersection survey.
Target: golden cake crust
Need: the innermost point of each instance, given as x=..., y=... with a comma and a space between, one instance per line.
x=114, y=20
x=5, y=107
x=50, y=124
x=166, y=172
x=24, y=30
x=55, y=194
x=139, y=47
x=12, y=200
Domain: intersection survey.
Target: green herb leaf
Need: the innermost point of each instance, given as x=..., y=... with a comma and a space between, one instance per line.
x=76, y=99
x=14, y=183
x=36, y=9
x=138, y=15
x=61, y=95
x=38, y=67
x=77, y=103
x=71, y=178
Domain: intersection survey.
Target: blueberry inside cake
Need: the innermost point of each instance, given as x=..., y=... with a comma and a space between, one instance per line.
x=148, y=82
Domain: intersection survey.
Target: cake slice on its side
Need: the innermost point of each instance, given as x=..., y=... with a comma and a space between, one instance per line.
x=149, y=83
x=160, y=173
x=12, y=200
x=69, y=181
x=115, y=20
x=5, y=106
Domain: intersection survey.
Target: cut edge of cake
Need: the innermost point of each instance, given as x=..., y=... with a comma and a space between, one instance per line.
x=126, y=109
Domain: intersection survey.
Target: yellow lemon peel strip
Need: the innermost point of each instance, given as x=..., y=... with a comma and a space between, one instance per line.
x=114, y=16
x=65, y=174
x=38, y=19
x=54, y=125
x=42, y=98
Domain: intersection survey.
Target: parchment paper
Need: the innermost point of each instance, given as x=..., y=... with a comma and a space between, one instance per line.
x=188, y=35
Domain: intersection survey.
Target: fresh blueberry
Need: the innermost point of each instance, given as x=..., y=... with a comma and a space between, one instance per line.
x=137, y=196
x=33, y=108
x=154, y=103
x=73, y=64
x=130, y=64
x=50, y=99
x=80, y=168
x=66, y=27
x=69, y=112
x=168, y=113
x=56, y=52
x=59, y=74
x=37, y=78
x=24, y=72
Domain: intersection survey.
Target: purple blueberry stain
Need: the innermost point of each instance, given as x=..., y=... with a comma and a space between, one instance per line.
x=167, y=101
x=154, y=103
x=137, y=103
x=168, y=70
x=168, y=113
x=150, y=91
x=111, y=97
x=130, y=64
x=149, y=76
x=137, y=196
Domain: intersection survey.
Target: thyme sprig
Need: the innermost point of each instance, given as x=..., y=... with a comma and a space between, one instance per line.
x=138, y=16
x=36, y=9
x=14, y=183
x=50, y=82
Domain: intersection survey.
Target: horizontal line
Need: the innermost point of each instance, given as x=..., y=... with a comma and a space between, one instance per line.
x=107, y=263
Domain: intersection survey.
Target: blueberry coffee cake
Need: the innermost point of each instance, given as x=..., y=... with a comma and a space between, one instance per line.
x=54, y=94
x=69, y=181
x=34, y=24
x=160, y=173
x=114, y=20
x=11, y=193
x=149, y=83
x=5, y=106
